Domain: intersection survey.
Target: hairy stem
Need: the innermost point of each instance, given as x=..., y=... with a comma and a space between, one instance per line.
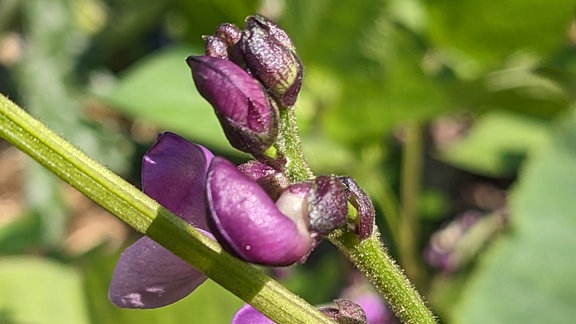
x=370, y=257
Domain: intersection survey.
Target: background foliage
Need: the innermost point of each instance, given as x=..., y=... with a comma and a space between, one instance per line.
x=482, y=91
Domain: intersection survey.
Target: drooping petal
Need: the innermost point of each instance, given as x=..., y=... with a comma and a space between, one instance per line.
x=149, y=276
x=174, y=174
x=250, y=315
x=248, y=222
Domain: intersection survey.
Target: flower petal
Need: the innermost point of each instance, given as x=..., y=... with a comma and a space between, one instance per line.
x=248, y=222
x=149, y=276
x=250, y=315
x=174, y=174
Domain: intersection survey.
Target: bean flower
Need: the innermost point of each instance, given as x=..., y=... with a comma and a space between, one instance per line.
x=212, y=195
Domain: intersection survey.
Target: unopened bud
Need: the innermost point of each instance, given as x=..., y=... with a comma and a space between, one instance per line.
x=366, y=213
x=248, y=117
x=328, y=204
x=347, y=312
x=270, y=56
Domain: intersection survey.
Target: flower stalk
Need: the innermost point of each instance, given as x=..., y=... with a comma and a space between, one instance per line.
x=368, y=256
x=148, y=217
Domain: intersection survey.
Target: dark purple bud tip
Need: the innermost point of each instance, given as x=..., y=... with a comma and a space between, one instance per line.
x=270, y=56
x=346, y=312
x=229, y=33
x=248, y=118
x=360, y=200
x=328, y=204
x=272, y=180
x=215, y=47
x=247, y=222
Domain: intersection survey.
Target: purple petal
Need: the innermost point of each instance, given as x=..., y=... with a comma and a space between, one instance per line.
x=272, y=180
x=248, y=221
x=376, y=309
x=149, y=276
x=250, y=315
x=174, y=174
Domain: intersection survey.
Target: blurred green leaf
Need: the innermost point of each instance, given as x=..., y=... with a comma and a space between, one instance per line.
x=21, y=234
x=36, y=290
x=373, y=61
x=319, y=280
x=160, y=89
x=497, y=144
x=490, y=30
x=209, y=303
x=528, y=276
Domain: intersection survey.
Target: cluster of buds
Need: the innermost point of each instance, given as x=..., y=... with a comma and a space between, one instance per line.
x=246, y=75
x=254, y=211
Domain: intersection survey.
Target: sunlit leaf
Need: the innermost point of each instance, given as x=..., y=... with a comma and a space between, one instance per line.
x=528, y=277
x=490, y=30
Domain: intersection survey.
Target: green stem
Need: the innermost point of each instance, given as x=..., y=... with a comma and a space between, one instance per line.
x=370, y=257
x=289, y=146
x=410, y=192
x=148, y=217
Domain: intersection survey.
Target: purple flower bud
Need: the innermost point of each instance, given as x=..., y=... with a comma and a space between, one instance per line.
x=249, y=119
x=248, y=223
x=328, y=204
x=270, y=56
x=360, y=200
x=229, y=33
x=215, y=47
x=221, y=44
x=272, y=180
x=346, y=312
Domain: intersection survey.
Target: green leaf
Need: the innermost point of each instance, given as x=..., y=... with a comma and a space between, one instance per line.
x=36, y=290
x=160, y=90
x=490, y=30
x=497, y=143
x=528, y=277
x=363, y=67
x=21, y=235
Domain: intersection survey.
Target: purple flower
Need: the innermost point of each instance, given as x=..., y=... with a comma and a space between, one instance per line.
x=250, y=223
x=189, y=181
x=148, y=275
